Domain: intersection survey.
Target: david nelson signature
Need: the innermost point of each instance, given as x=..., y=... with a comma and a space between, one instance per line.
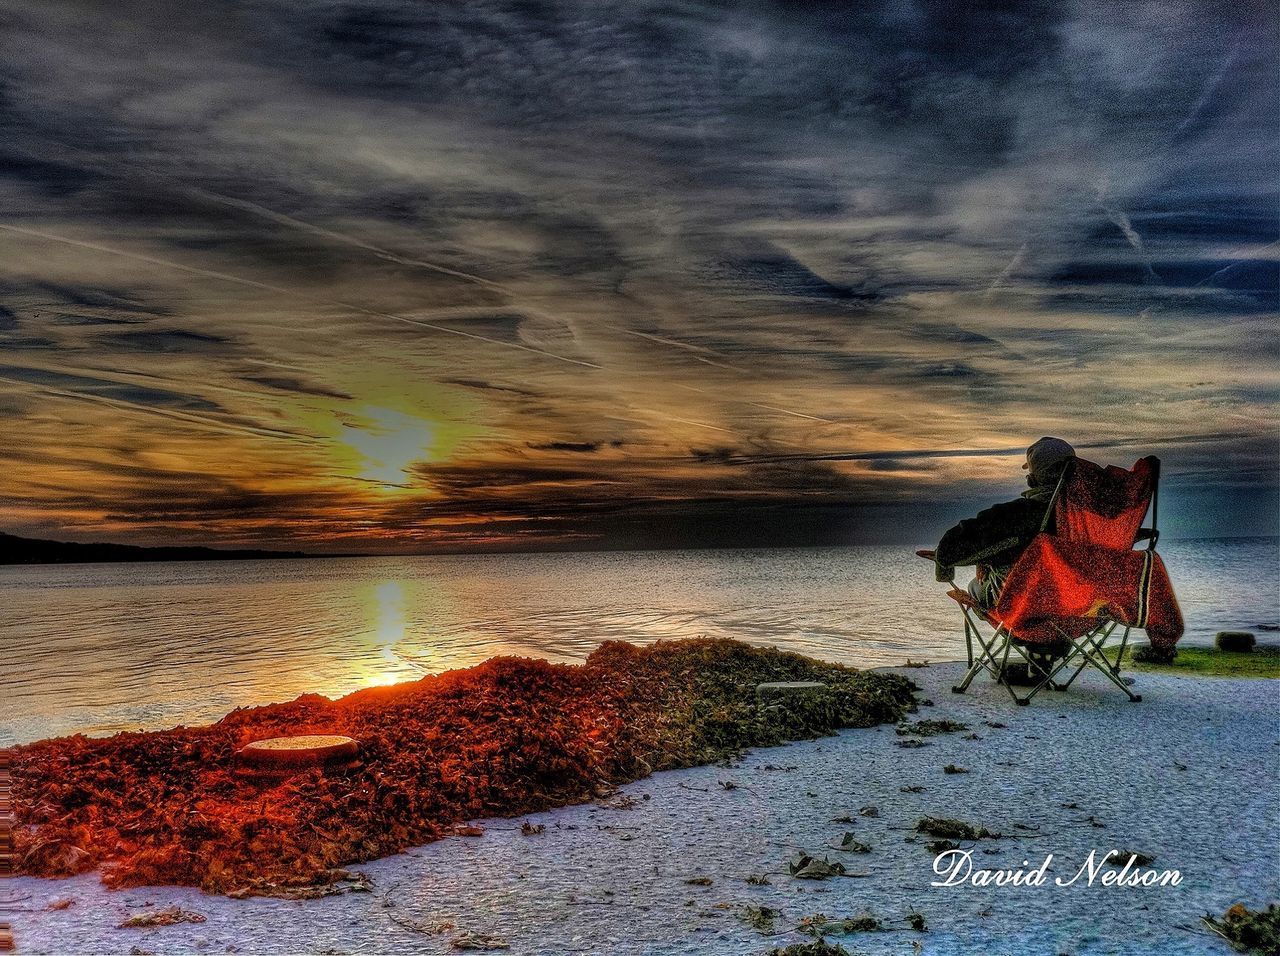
x=956, y=869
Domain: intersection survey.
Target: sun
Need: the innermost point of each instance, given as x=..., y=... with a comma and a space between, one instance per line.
x=389, y=442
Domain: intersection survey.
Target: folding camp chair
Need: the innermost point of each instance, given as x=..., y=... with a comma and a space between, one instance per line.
x=1077, y=584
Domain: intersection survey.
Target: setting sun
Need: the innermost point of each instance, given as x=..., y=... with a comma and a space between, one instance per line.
x=388, y=443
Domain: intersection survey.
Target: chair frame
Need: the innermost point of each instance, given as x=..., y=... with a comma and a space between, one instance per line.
x=1090, y=648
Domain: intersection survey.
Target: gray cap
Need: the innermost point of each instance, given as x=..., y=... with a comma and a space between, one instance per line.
x=1046, y=457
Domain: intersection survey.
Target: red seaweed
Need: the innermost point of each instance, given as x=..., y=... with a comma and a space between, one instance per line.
x=507, y=737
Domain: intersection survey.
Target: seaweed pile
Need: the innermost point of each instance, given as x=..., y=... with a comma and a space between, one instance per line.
x=510, y=736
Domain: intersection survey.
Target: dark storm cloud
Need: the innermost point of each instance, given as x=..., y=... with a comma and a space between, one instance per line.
x=284, y=383
x=762, y=267
x=37, y=295
x=107, y=389
x=163, y=340
x=48, y=177
x=491, y=387
x=581, y=447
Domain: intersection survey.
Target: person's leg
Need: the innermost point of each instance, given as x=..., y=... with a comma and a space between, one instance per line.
x=985, y=589
x=977, y=591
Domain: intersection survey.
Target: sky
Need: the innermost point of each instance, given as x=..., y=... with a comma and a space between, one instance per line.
x=399, y=276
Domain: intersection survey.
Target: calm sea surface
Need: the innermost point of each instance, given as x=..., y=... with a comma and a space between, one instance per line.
x=106, y=647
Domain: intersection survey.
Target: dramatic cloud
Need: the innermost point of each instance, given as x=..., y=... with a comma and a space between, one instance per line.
x=393, y=275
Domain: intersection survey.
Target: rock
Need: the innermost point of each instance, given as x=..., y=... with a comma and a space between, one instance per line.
x=1235, y=642
x=308, y=750
x=775, y=692
x=1148, y=654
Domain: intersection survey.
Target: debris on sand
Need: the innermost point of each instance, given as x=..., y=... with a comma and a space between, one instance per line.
x=532, y=829
x=851, y=844
x=805, y=867
x=699, y=881
x=1249, y=931
x=916, y=922
x=909, y=743
x=952, y=768
x=309, y=887
x=947, y=828
x=819, y=947
x=164, y=917
x=760, y=918
x=911, y=788
x=820, y=925
x=930, y=728
x=438, y=928
x=509, y=737
x=479, y=941
x=759, y=879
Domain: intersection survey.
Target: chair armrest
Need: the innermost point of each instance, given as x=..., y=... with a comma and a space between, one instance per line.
x=927, y=555
x=1147, y=534
x=966, y=601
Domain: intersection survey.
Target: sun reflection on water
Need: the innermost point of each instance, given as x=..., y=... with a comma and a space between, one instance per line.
x=387, y=613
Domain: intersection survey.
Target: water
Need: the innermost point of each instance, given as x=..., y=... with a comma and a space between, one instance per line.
x=108, y=647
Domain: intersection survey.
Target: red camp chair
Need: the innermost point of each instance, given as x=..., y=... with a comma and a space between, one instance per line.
x=1076, y=585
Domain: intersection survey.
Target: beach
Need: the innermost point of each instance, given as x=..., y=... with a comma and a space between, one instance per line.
x=671, y=864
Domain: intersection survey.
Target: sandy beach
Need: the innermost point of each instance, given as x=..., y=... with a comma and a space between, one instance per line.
x=672, y=864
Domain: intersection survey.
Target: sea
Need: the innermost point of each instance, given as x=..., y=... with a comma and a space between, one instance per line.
x=101, y=648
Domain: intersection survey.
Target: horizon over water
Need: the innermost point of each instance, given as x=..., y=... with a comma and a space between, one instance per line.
x=100, y=648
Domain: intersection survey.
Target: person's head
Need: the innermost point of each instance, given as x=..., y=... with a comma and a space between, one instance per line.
x=1045, y=460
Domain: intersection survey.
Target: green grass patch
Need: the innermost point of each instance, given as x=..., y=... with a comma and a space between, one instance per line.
x=1264, y=661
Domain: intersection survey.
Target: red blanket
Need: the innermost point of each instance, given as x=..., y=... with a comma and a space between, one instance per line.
x=1072, y=585
x=1087, y=571
x=1104, y=506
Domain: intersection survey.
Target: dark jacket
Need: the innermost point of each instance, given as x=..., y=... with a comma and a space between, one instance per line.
x=994, y=537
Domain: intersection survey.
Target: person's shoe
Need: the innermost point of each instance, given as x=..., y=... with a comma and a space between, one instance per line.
x=1018, y=675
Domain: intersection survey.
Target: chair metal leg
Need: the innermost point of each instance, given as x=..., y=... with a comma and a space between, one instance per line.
x=1088, y=650
x=1091, y=650
x=1076, y=646
x=976, y=666
x=1003, y=678
x=1124, y=643
x=1114, y=677
x=986, y=660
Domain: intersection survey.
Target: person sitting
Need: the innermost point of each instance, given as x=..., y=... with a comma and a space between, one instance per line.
x=993, y=539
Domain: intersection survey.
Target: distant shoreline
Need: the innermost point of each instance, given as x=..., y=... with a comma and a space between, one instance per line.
x=34, y=551
x=19, y=551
